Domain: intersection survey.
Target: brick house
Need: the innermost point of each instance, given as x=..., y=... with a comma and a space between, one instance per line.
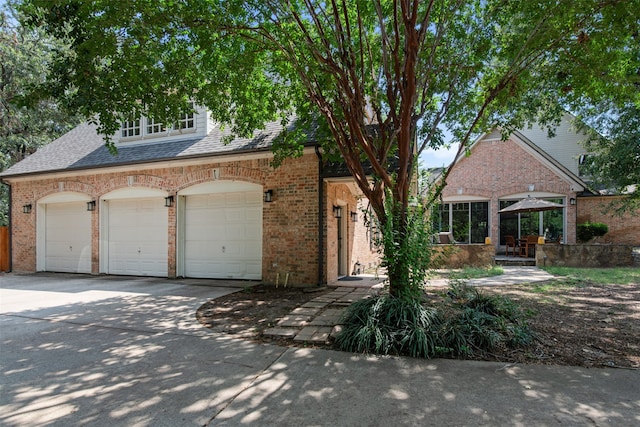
x=500, y=172
x=178, y=201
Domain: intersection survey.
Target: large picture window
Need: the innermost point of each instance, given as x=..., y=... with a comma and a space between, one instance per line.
x=468, y=221
x=549, y=224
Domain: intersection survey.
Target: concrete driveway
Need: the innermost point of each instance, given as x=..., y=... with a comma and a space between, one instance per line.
x=110, y=351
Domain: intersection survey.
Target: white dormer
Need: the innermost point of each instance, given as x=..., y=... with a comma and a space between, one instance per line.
x=146, y=130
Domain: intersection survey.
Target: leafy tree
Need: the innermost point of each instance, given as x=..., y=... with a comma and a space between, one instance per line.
x=24, y=54
x=614, y=162
x=374, y=81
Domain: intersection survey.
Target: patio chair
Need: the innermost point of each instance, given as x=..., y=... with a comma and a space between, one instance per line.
x=446, y=238
x=529, y=243
x=510, y=242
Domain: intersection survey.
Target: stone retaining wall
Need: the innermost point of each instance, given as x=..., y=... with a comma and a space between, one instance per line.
x=459, y=256
x=587, y=255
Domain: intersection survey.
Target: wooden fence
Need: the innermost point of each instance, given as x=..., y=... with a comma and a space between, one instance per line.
x=4, y=249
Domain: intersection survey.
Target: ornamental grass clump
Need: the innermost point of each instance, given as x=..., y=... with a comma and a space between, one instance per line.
x=476, y=322
x=387, y=325
x=465, y=323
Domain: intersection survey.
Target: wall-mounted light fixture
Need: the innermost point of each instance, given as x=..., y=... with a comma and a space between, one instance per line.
x=337, y=212
x=532, y=187
x=268, y=196
x=26, y=208
x=354, y=216
x=572, y=201
x=91, y=206
x=168, y=201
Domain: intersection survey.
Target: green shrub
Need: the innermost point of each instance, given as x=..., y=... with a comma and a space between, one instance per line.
x=477, y=322
x=467, y=321
x=387, y=325
x=589, y=230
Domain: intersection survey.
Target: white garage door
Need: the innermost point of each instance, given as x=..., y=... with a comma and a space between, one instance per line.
x=138, y=240
x=223, y=235
x=67, y=238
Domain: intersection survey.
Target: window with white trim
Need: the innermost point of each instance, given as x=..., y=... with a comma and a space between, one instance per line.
x=188, y=121
x=130, y=128
x=155, y=127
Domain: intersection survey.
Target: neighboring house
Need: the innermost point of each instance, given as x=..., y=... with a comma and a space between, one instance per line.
x=500, y=172
x=176, y=201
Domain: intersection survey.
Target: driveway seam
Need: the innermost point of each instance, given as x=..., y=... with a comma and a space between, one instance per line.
x=248, y=386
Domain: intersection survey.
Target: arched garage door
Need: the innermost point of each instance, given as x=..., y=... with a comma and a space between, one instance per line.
x=135, y=233
x=221, y=226
x=64, y=234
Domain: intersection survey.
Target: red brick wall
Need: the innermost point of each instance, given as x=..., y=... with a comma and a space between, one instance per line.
x=623, y=229
x=290, y=222
x=496, y=169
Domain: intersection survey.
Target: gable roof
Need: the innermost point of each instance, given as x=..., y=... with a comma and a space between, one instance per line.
x=522, y=137
x=83, y=148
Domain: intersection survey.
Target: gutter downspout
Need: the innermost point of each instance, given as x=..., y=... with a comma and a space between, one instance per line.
x=320, y=217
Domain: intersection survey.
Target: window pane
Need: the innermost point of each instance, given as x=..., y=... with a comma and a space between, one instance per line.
x=155, y=127
x=440, y=218
x=460, y=222
x=130, y=128
x=553, y=223
x=530, y=223
x=508, y=222
x=479, y=221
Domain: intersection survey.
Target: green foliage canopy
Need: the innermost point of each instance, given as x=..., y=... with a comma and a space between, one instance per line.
x=25, y=126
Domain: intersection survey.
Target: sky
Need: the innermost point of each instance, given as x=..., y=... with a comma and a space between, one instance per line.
x=442, y=157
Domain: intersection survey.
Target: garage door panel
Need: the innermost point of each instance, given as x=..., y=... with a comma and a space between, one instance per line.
x=138, y=237
x=223, y=235
x=67, y=238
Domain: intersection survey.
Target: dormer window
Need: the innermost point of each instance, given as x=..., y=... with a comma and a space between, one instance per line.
x=149, y=128
x=155, y=127
x=130, y=128
x=188, y=120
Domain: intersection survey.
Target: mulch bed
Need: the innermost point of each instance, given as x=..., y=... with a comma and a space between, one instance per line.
x=589, y=325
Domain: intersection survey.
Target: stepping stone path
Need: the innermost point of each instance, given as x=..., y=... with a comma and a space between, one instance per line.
x=318, y=320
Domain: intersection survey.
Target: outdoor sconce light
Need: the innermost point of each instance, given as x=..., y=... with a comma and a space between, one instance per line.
x=168, y=201
x=354, y=216
x=572, y=201
x=532, y=187
x=268, y=196
x=91, y=206
x=26, y=208
x=337, y=212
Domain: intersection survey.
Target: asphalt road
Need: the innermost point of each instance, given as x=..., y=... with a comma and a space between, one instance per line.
x=116, y=351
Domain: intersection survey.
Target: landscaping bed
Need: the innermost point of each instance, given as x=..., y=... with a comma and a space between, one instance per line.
x=575, y=323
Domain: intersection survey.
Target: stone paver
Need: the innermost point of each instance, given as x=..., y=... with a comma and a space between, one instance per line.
x=281, y=332
x=313, y=334
x=329, y=317
x=306, y=311
x=313, y=304
x=294, y=320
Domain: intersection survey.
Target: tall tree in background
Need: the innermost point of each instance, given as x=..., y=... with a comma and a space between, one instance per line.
x=375, y=80
x=24, y=126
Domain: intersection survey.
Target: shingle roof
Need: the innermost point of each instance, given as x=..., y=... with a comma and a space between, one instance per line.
x=83, y=148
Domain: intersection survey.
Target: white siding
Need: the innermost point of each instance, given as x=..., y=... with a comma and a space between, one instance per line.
x=565, y=147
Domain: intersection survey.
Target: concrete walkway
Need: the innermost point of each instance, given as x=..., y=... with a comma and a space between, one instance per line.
x=319, y=319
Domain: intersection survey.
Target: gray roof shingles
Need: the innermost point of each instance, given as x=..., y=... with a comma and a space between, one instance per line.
x=83, y=148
